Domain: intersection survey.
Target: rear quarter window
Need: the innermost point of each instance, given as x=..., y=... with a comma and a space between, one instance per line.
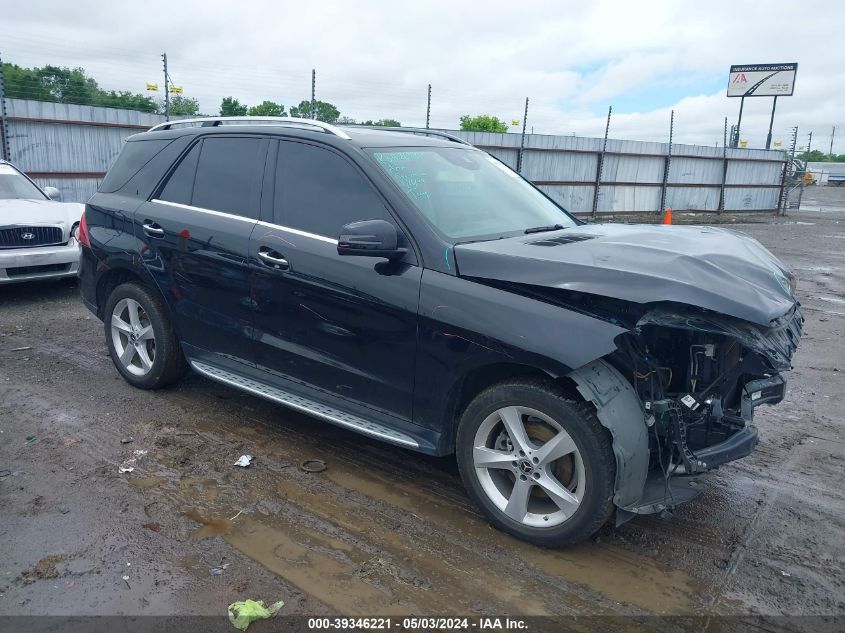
x=132, y=158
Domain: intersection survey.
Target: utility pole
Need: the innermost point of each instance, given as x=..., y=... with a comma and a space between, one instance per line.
x=832, y=134
x=313, y=93
x=428, y=110
x=771, y=123
x=739, y=121
x=522, y=142
x=5, y=153
x=166, y=89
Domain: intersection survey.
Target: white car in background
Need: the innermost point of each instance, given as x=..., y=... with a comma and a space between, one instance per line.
x=38, y=232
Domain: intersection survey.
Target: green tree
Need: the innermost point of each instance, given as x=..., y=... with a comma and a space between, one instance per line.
x=68, y=85
x=326, y=112
x=483, y=123
x=383, y=123
x=232, y=107
x=814, y=156
x=268, y=108
x=181, y=105
x=347, y=120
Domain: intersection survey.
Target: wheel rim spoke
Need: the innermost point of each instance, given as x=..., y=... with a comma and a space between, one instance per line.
x=133, y=308
x=512, y=419
x=127, y=355
x=120, y=324
x=490, y=458
x=146, y=334
x=559, y=495
x=560, y=445
x=517, y=506
x=146, y=361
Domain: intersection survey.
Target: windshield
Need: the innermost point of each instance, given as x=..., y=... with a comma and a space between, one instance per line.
x=13, y=184
x=467, y=194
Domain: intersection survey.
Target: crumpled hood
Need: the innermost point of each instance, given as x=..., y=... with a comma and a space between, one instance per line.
x=27, y=212
x=708, y=267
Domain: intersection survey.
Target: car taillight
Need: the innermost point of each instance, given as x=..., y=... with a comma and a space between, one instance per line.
x=83, y=232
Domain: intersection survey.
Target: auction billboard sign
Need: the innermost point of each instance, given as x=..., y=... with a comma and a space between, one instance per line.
x=762, y=80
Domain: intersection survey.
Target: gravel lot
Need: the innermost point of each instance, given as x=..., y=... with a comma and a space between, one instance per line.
x=384, y=530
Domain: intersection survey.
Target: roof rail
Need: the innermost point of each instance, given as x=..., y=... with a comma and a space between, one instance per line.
x=215, y=121
x=422, y=131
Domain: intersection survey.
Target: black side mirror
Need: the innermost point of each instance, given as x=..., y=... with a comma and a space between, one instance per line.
x=370, y=238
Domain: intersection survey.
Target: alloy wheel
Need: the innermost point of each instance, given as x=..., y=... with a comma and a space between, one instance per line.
x=529, y=466
x=133, y=337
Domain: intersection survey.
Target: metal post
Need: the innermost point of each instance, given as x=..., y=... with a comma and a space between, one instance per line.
x=724, y=167
x=166, y=89
x=600, y=166
x=522, y=141
x=667, y=164
x=739, y=121
x=5, y=152
x=771, y=123
x=313, y=93
x=832, y=134
x=428, y=108
x=784, y=191
x=806, y=156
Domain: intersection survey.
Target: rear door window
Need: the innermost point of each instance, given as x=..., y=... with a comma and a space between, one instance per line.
x=228, y=175
x=318, y=191
x=180, y=185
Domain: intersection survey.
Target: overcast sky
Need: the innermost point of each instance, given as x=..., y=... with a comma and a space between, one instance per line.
x=375, y=58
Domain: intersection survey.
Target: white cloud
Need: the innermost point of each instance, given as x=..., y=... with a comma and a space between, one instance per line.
x=375, y=59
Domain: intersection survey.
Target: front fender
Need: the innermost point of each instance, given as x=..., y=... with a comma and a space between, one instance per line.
x=620, y=410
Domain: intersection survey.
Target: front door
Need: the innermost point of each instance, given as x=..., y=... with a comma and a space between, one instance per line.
x=194, y=237
x=327, y=325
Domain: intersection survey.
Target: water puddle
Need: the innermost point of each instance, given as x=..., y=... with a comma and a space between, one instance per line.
x=210, y=527
x=146, y=482
x=619, y=575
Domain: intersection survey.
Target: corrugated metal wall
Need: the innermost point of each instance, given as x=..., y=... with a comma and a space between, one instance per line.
x=566, y=168
x=71, y=147
x=67, y=146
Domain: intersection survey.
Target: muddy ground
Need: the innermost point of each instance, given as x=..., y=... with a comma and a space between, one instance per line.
x=384, y=530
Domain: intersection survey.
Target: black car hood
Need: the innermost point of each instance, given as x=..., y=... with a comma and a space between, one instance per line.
x=708, y=267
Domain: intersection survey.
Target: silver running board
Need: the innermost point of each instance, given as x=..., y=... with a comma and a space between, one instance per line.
x=329, y=414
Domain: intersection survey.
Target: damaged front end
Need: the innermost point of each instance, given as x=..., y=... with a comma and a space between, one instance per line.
x=699, y=376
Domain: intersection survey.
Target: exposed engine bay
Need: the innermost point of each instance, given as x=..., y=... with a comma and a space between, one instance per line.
x=700, y=376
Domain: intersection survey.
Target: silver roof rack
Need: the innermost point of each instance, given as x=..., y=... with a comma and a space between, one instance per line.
x=417, y=130
x=215, y=121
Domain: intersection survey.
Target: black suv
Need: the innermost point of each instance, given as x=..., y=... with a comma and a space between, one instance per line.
x=410, y=287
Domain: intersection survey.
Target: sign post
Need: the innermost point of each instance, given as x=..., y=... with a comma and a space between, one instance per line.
x=761, y=80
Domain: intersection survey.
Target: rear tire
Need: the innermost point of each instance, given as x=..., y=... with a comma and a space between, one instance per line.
x=141, y=341
x=540, y=465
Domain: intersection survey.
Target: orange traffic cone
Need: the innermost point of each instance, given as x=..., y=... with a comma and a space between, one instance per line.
x=667, y=217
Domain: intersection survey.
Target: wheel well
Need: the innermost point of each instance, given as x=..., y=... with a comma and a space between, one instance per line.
x=479, y=379
x=111, y=280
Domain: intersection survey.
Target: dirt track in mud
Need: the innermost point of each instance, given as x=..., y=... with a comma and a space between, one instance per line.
x=384, y=530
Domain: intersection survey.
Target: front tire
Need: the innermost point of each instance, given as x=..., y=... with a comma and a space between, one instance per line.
x=141, y=341
x=540, y=465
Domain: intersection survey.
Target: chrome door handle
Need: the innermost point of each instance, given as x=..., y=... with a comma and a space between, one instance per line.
x=153, y=230
x=273, y=259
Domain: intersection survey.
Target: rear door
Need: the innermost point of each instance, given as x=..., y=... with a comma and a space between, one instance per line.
x=342, y=327
x=195, y=240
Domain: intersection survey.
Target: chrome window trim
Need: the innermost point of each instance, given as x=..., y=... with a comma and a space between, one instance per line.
x=232, y=216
